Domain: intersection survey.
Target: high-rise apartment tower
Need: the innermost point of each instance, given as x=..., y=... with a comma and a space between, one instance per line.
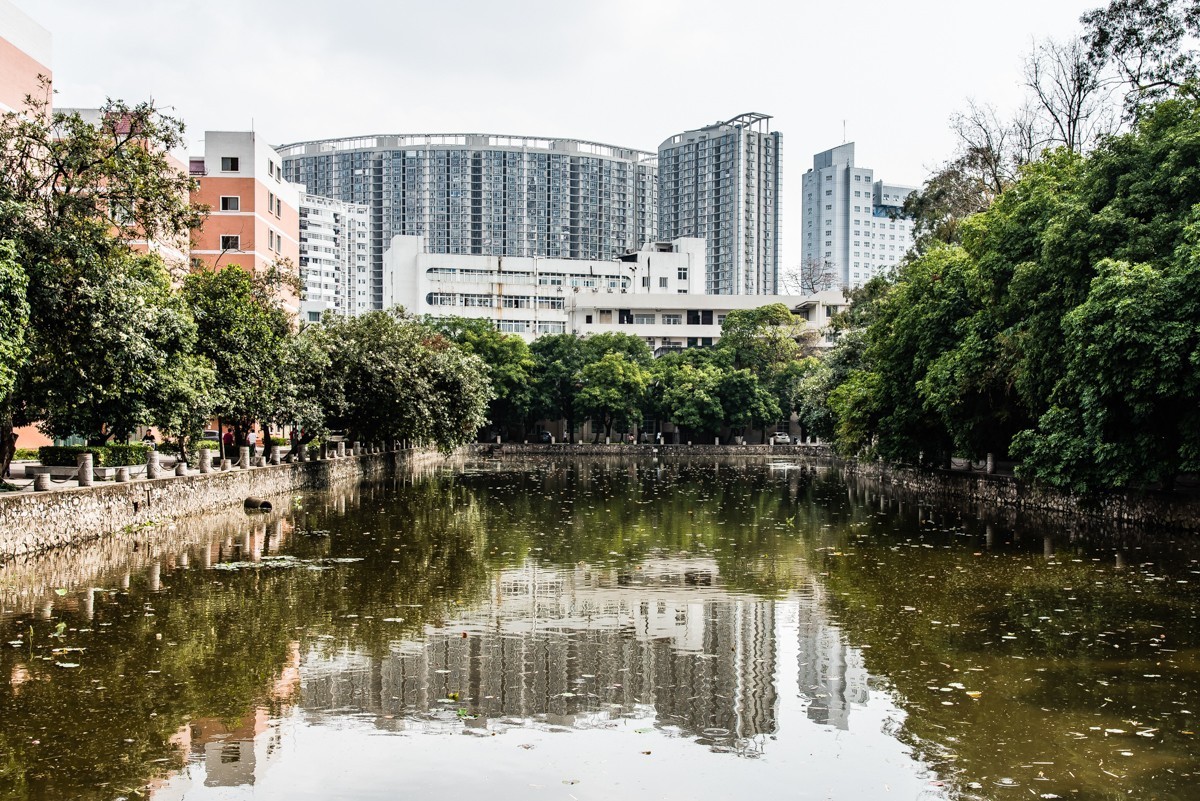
x=722, y=183
x=854, y=227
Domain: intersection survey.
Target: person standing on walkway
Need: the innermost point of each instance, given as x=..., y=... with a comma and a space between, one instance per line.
x=227, y=442
x=252, y=441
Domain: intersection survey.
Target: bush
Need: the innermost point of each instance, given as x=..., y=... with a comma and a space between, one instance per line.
x=211, y=444
x=125, y=454
x=25, y=454
x=102, y=455
x=281, y=441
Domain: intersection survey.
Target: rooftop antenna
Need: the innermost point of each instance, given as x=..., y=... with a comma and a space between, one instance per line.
x=843, y=132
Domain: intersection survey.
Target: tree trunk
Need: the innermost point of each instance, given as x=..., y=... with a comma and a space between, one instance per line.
x=8, y=446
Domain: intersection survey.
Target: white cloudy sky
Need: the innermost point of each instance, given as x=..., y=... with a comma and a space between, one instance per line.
x=625, y=72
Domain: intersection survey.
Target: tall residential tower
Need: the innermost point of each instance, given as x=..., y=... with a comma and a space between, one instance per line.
x=853, y=226
x=722, y=183
x=484, y=194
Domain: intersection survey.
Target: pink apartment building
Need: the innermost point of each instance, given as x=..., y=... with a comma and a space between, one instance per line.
x=254, y=218
x=25, y=49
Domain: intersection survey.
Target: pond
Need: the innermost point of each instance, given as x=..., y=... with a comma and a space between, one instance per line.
x=599, y=628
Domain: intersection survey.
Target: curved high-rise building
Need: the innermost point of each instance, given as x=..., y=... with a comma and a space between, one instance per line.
x=486, y=194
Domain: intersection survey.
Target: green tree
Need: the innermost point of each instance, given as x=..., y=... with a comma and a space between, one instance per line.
x=689, y=395
x=73, y=195
x=558, y=376
x=597, y=346
x=403, y=381
x=613, y=390
x=1125, y=412
x=509, y=361
x=746, y=402
x=243, y=331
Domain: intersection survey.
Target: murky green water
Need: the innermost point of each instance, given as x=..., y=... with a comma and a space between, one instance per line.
x=599, y=630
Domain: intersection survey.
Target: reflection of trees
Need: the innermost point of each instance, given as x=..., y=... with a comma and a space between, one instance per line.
x=430, y=548
x=1059, y=645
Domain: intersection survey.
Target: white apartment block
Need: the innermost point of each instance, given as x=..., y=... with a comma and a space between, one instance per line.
x=656, y=293
x=852, y=224
x=334, y=257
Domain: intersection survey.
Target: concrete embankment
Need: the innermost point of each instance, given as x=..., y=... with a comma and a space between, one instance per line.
x=32, y=522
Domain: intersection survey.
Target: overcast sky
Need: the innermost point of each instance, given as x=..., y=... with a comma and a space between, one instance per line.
x=623, y=72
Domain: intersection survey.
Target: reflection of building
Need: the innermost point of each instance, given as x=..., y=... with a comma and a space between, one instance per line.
x=233, y=752
x=831, y=673
x=577, y=647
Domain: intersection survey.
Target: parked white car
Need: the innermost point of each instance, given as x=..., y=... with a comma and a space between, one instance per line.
x=781, y=439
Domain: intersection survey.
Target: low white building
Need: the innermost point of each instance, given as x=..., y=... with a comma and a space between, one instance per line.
x=656, y=293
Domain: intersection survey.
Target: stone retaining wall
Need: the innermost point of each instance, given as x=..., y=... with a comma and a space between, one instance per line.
x=620, y=449
x=1159, y=510
x=1152, y=510
x=32, y=522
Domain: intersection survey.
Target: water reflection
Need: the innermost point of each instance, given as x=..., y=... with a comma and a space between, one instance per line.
x=772, y=625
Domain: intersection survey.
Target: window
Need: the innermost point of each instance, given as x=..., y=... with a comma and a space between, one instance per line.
x=229, y=164
x=441, y=299
x=624, y=317
x=645, y=280
x=828, y=206
x=829, y=192
x=643, y=319
x=662, y=282
x=271, y=168
x=587, y=318
x=270, y=239
x=672, y=319
x=231, y=203
x=231, y=242
x=693, y=317
x=682, y=273
x=720, y=319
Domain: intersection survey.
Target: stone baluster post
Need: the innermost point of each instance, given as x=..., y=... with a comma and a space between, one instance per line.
x=84, y=475
x=41, y=482
x=152, y=464
x=181, y=468
x=205, y=461
x=244, y=457
x=122, y=475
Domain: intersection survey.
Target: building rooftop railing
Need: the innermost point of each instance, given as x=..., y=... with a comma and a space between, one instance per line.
x=466, y=140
